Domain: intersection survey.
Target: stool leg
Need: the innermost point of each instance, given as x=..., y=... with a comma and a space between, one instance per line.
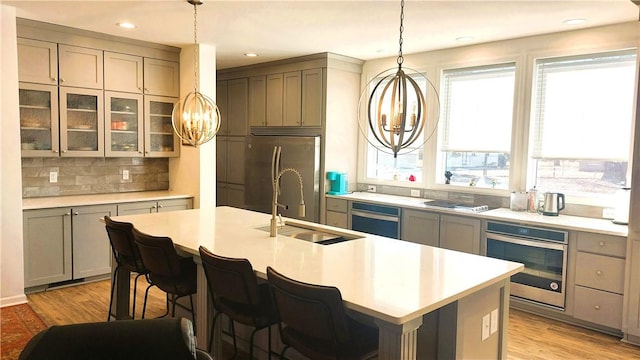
x=233, y=333
x=213, y=328
x=135, y=291
x=113, y=285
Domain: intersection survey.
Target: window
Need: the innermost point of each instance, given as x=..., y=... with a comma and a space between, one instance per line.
x=475, y=129
x=581, y=126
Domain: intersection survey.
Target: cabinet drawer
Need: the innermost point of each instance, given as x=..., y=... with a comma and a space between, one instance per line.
x=602, y=244
x=598, y=307
x=338, y=219
x=600, y=272
x=337, y=205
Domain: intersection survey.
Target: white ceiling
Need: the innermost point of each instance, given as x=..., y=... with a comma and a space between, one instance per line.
x=364, y=29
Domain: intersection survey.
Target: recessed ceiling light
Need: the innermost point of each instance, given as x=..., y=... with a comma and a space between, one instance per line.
x=464, y=38
x=574, y=21
x=251, y=55
x=126, y=25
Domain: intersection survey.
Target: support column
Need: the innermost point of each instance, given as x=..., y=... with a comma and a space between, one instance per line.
x=398, y=342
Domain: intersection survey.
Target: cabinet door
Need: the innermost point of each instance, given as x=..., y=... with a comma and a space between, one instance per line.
x=80, y=67
x=222, y=100
x=222, y=196
x=91, y=247
x=221, y=158
x=337, y=219
x=274, y=99
x=420, y=227
x=292, y=97
x=238, y=101
x=140, y=207
x=124, y=134
x=159, y=138
x=312, y=103
x=39, y=129
x=235, y=160
x=174, y=205
x=257, y=100
x=235, y=196
x=460, y=233
x=37, y=61
x=46, y=246
x=123, y=72
x=81, y=122
x=161, y=77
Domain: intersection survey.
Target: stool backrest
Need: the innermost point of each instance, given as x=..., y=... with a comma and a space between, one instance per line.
x=158, y=255
x=123, y=245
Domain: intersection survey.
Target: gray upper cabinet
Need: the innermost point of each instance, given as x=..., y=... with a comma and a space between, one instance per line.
x=292, y=99
x=123, y=72
x=274, y=87
x=38, y=61
x=161, y=77
x=80, y=67
x=222, y=103
x=257, y=100
x=233, y=102
x=312, y=97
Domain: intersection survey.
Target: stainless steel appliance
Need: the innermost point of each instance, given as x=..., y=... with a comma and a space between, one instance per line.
x=375, y=219
x=553, y=203
x=299, y=152
x=543, y=252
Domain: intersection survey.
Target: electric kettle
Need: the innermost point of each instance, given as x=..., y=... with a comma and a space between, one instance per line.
x=553, y=203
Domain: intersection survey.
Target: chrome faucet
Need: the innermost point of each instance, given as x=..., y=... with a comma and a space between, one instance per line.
x=275, y=205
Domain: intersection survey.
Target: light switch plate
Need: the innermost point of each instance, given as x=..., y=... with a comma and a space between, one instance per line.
x=125, y=174
x=485, y=327
x=415, y=192
x=53, y=176
x=494, y=321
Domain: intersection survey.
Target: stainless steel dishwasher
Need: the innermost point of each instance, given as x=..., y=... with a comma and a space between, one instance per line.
x=376, y=219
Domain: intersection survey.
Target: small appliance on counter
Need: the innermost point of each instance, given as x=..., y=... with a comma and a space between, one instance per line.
x=518, y=201
x=553, y=203
x=621, y=214
x=338, y=183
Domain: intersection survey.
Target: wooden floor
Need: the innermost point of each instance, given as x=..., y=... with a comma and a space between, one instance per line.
x=530, y=337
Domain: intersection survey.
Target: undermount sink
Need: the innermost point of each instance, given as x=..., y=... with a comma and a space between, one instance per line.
x=318, y=236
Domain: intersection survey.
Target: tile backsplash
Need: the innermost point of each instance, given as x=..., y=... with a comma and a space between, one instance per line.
x=82, y=176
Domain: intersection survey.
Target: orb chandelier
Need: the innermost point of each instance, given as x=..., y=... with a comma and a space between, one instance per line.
x=195, y=118
x=396, y=108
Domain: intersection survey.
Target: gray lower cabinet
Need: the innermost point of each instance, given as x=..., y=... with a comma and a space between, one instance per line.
x=446, y=231
x=147, y=207
x=65, y=243
x=337, y=213
x=599, y=279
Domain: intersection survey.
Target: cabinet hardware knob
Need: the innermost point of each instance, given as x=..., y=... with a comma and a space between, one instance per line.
x=55, y=151
x=153, y=207
x=160, y=206
x=599, y=272
x=601, y=243
x=54, y=79
x=61, y=80
x=67, y=214
x=597, y=307
x=64, y=151
x=76, y=213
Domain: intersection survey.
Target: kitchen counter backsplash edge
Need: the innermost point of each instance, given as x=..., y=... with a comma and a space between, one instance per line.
x=566, y=222
x=99, y=199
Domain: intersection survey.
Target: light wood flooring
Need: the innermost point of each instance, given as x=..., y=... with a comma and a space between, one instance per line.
x=530, y=337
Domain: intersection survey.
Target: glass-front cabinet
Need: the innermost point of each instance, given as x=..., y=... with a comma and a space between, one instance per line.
x=81, y=122
x=160, y=139
x=38, y=120
x=124, y=131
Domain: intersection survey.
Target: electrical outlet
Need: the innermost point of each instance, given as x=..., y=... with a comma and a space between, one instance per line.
x=53, y=176
x=125, y=174
x=494, y=321
x=485, y=327
x=415, y=192
x=371, y=188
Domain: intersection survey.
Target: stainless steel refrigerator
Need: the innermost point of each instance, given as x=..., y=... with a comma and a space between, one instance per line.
x=299, y=152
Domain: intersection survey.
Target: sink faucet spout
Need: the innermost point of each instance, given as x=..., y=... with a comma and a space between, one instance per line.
x=274, y=205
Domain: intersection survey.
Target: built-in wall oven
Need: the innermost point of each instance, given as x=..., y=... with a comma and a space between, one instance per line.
x=376, y=219
x=543, y=252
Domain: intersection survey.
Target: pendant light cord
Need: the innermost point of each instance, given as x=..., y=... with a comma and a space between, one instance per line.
x=400, y=57
x=196, y=55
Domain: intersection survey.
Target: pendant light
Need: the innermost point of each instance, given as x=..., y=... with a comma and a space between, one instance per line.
x=396, y=110
x=196, y=118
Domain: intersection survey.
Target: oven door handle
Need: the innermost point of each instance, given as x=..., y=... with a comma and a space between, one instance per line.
x=539, y=244
x=374, y=216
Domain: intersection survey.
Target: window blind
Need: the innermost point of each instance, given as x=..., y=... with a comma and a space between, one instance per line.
x=478, y=109
x=583, y=106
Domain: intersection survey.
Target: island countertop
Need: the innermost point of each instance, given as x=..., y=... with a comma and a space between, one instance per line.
x=392, y=280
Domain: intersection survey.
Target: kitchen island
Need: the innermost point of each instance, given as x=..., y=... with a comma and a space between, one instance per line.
x=427, y=302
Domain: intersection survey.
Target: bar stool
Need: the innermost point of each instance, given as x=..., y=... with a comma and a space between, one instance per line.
x=235, y=291
x=314, y=321
x=127, y=257
x=170, y=272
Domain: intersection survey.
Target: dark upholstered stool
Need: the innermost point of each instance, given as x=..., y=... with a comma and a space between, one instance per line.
x=314, y=321
x=235, y=291
x=127, y=257
x=158, y=339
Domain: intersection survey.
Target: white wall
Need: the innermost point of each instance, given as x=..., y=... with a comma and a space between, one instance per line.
x=11, y=255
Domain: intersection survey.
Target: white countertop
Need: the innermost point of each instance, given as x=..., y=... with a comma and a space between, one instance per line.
x=99, y=199
x=566, y=222
x=385, y=278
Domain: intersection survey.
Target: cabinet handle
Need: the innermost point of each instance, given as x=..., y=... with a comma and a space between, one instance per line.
x=61, y=79
x=160, y=206
x=64, y=151
x=599, y=272
x=67, y=214
x=54, y=151
x=54, y=79
x=139, y=152
x=601, y=243
x=76, y=213
x=597, y=307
